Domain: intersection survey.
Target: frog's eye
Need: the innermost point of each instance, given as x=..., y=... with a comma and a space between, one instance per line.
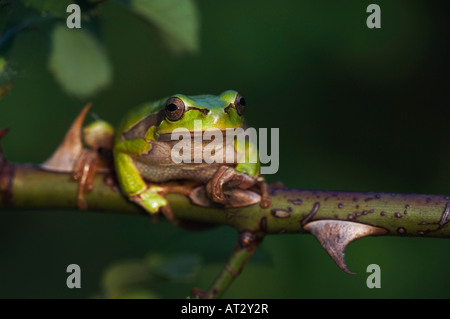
x=239, y=104
x=174, y=108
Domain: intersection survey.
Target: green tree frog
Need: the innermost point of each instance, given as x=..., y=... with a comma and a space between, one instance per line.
x=142, y=148
x=142, y=151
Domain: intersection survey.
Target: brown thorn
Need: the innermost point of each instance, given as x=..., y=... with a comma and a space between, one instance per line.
x=68, y=151
x=444, y=216
x=335, y=235
x=241, y=197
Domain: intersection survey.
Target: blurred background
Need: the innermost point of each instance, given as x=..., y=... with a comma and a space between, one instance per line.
x=358, y=109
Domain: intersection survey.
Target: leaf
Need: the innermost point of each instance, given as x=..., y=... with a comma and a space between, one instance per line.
x=179, y=267
x=177, y=20
x=55, y=7
x=123, y=275
x=5, y=8
x=131, y=278
x=78, y=62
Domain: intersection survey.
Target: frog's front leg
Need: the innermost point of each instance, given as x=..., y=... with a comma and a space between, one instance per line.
x=132, y=184
x=244, y=175
x=84, y=171
x=227, y=178
x=98, y=136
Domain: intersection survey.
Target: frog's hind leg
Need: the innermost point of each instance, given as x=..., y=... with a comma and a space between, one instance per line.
x=153, y=201
x=148, y=196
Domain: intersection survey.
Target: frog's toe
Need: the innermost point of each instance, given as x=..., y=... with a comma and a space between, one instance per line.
x=215, y=193
x=84, y=171
x=150, y=200
x=214, y=188
x=153, y=202
x=225, y=179
x=168, y=214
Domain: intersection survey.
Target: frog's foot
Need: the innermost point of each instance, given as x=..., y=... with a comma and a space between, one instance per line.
x=152, y=201
x=227, y=178
x=84, y=171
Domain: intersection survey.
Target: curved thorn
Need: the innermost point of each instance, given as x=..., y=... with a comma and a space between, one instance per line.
x=335, y=235
x=68, y=151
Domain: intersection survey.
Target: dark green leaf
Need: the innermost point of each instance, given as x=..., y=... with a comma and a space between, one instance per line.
x=5, y=7
x=177, y=20
x=55, y=7
x=78, y=61
x=178, y=267
x=123, y=275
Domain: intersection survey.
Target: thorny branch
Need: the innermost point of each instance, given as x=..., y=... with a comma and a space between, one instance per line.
x=336, y=218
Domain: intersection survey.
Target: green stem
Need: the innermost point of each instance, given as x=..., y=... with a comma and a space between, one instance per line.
x=236, y=263
x=23, y=186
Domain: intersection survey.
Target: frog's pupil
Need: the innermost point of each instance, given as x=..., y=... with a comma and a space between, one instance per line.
x=242, y=101
x=172, y=107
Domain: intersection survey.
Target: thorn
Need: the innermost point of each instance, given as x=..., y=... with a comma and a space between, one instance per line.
x=68, y=151
x=242, y=197
x=335, y=235
x=444, y=216
x=236, y=197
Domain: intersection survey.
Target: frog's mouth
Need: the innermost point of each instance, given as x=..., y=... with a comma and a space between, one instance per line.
x=179, y=135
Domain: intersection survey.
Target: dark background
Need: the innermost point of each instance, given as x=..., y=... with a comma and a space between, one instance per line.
x=358, y=109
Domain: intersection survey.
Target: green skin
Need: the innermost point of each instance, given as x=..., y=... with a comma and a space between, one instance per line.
x=135, y=139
